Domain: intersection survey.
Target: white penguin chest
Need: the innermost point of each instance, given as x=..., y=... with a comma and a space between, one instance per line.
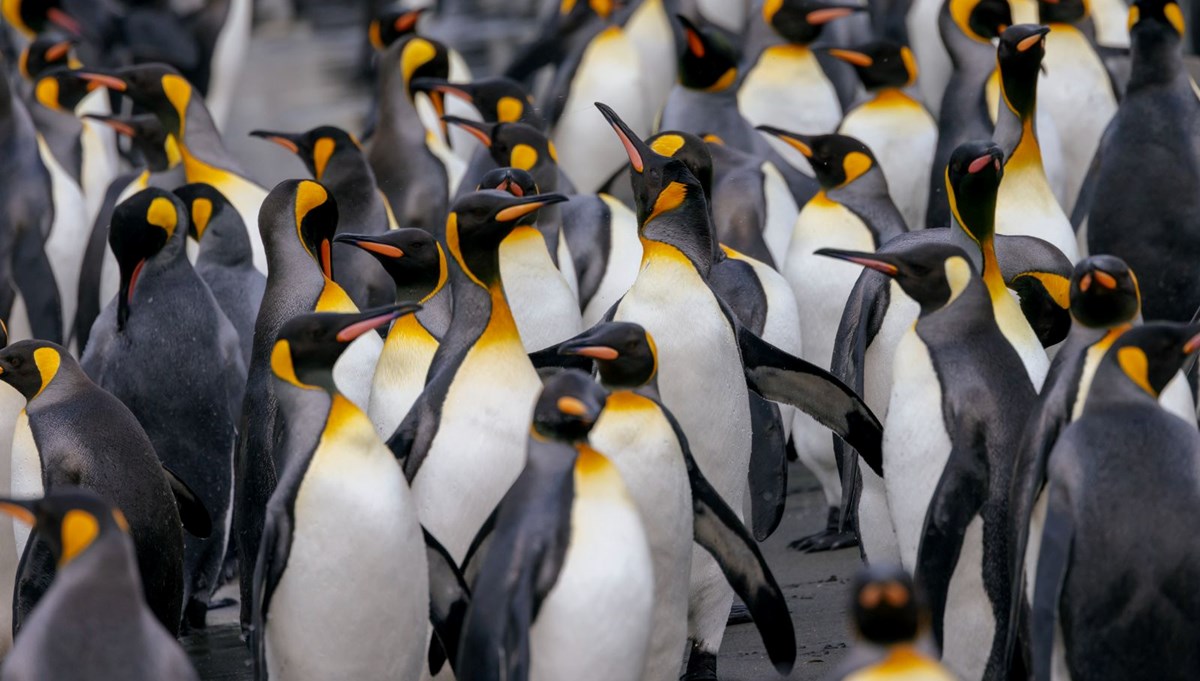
x=624, y=260
x=781, y=213
x=1016, y=330
x=1025, y=204
x=546, y=309
x=903, y=137
x=788, y=89
x=400, y=373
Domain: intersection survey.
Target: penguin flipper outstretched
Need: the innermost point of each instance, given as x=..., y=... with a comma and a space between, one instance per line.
x=273, y=550
x=720, y=532
x=768, y=467
x=449, y=598
x=780, y=377
x=1053, y=562
x=192, y=512
x=960, y=494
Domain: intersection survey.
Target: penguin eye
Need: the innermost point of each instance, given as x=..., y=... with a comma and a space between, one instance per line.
x=16, y=361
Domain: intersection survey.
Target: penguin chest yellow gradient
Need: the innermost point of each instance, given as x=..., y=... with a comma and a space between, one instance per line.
x=246, y=197
x=787, y=88
x=400, y=373
x=545, y=308
x=903, y=137
x=354, y=526
x=903, y=664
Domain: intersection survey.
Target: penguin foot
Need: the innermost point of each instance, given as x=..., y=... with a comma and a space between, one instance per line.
x=195, y=615
x=739, y=614
x=701, y=666
x=218, y=603
x=828, y=539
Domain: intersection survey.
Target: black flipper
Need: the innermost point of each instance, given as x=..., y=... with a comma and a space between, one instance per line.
x=1087, y=191
x=959, y=496
x=479, y=547
x=35, y=572
x=1053, y=562
x=273, y=551
x=780, y=377
x=768, y=467
x=192, y=513
x=448, y=600
x=35, y=280
x=718, y=529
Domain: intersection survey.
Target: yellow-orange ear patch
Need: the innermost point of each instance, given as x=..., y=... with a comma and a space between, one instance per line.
x=1136, y=366
x=79, y=530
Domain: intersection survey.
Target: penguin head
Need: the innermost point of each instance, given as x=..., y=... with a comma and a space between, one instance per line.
x=571, y=13
x=60, y=90
x=800, y=21
x=304, y=208
x=70, y=519
x=515, y=181
x=669, y=198
x=391, y=25
x=29, y=366
x=568, y=407
x=497, y=99
x=141, y=228
x=1020, y=54
x=32, y=17
x=980, y=20
x=158, y=88
x=880, y=64
x=47, y=51
x=516, y=145
x=159, y=150
x=1155, y=18
x=479, y=221
x=308, y=345
x=690, y=149
x=314, y=147
x=887, y=607
x=411, y=257
x=419, y=57
x=1062, y=11
x=837, y=160
x=933, y=274
x=1151, y=354
x=205, y=206
x=624, y=353
x=972, y=180
x=1104, y=293
x=708, y=60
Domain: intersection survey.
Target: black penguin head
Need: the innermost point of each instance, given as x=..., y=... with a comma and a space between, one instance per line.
x=142, y=225
x=32, y=17
x=515, y=181
x=568, y=407
x=690, y=149
x=70, y=519
x=1062, y=11
x=981, y=20
x=29, y=366
x=411, y=256
x=308, y=345
x=1104, y=293
x=419, y=57
x=800, y=21
x=1020, y=55
x=1152, y=353
x=837, y=160
x=933, y=274
x=314, y=147
x=624, y=352
x=708, y=59
x=392, y=24
x=479, y=221
x=888, y=608
x=572, y=13
x=1155, y=18
x=58, y=89
x=972, y=180
x=497, y=99
x=158, y=88
x=47, y=51
x=516, y=145
x=880, y=64
x=205, y=205
x=310, y=210
x=159, y=150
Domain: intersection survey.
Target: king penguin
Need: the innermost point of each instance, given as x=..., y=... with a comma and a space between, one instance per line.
x=753, y=209
x=165, y=329
x=12, y=404
x=959, y=401
x=341, y=470
x=1123, y=446
x=93, y=622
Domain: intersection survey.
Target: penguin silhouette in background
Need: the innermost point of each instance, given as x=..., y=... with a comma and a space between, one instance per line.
x=166, y=329
x=93, y=622
x=753, y=210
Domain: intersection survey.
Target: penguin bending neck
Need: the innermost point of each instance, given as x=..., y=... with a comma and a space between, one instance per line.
x=1016, y=132
x=679, y=221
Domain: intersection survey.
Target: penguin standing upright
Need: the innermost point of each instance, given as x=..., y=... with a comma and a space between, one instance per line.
x=896, y=127
x=959, y=401
x=166, y=329
x=1144, y=188
x=1124, y=446
x=12, y=403
x=222, y=30
x=93, y=622
x=344, y=471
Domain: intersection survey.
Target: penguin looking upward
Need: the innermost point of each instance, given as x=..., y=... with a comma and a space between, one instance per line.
x=1124, y=446
x=163, y=303
x=336, y=160
x=896, y=127
x=224, y=261
x=392, y=24
x=497, y=99
x=93, y=622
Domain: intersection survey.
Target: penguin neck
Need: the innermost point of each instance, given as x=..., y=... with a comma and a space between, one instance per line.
x=398, y=117
x=201, y=145
x=225, y=242
x=1016, y=133
x=685, y=231
x=892, y=95
x=107, y=569
x=991, y=275
x=482, y=297
x=1113, y=387
x=1156, y=59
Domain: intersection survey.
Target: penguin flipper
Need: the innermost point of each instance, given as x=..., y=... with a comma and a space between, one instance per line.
x=35, y=280
x=780, y=377
x=479, y=547
x=1053, y=563
x=192, y=512
x=273, y=550
x=768, y=467
x=720, y=532
x=448, y=600
x=959, y=496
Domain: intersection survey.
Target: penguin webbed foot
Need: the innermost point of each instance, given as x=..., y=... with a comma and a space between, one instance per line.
x=701, y=666
x=828, y=539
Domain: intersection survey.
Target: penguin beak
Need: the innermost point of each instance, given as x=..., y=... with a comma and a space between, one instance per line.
x=58, y=50
x=572, y=406
x=801, y=143
x=1029, y=42
x=121, y=127
x=370, y=244
x=125, y=297
x=508, y=184
x=598, y=352
x=993, y=157
x=286, y=140
x=1193, y=342
x=870, y=260
x=357, y=325
x=692, y=37
x=518, y=208
x=820, y=17
x=407, y=22
x=21, y=510
x=851, y=57
x=479, y=130
x=459, y=90
x=64, y=21
x=107, y=80
x=1099, y=277
x=635, y=148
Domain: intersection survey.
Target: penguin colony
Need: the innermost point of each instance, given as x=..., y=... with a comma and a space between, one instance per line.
x=508, y=388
